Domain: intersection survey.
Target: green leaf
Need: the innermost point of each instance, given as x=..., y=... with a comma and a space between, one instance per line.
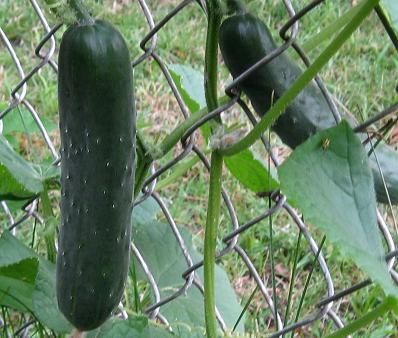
x=23, y=122
x=17, y=283
x=134, y=327
x=44, y=300
x=38, y=297
x=12, y=250
x=16, y=294
x=18, y=178
x=329, y=179
x=50, y=174
x=190, y=84
x=167, y=263
x=24, y=270
x=251, y=171
x=390, y=7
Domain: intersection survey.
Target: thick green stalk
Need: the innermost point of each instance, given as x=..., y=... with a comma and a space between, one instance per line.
x=211, y=55
x=388, y=304
x=213, y=215
x=214, y=201
x=301, y=82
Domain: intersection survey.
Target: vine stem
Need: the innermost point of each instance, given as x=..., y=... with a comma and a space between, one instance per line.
x=214, y=202
x=301, y=82
x=213, y=215
x=388, y=304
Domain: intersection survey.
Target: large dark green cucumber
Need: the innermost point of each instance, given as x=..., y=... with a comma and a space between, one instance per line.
x=97, y=124
x=244, y=40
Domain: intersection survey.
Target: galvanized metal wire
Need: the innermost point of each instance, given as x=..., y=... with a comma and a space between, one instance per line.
x=190, y=279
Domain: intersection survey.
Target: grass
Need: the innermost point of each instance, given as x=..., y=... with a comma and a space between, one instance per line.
x=361, y=76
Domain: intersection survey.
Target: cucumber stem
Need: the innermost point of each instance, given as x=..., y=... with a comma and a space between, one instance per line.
x=82, y=14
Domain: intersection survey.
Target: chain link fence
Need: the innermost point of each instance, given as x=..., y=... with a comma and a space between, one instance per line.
x=45, y=52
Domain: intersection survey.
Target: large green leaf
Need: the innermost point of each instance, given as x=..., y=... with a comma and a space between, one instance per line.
x=163, y=255
x=18, y=178
x=251, y=171
x=134, y=327
x=329, y=179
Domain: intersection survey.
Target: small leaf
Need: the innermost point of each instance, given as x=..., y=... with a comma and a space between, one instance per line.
x=18, y=178
x=333, y=186
x=190, y=84
x=251, y=171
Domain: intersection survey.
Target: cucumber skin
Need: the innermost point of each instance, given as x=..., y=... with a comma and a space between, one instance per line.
x=244, y=40
x=97, y=123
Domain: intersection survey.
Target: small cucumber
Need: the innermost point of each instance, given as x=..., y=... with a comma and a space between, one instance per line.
x=244, y=40
x=97, y=124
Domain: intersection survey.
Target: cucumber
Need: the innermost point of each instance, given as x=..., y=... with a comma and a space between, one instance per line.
x=97, y=124
x=244, y=40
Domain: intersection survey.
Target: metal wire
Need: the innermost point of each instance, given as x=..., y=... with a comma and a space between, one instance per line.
x=189, y=278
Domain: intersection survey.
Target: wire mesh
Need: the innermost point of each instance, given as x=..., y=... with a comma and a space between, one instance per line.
x=325, y=307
